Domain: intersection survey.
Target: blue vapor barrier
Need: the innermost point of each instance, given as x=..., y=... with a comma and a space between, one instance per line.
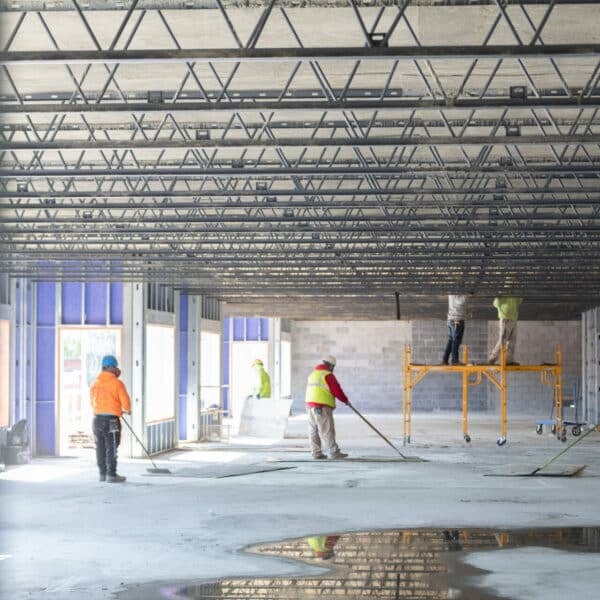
x=183, y=365
x=45, y=443
x=102, y=303
x=71, y=303
x=226, y=326
x=252, y=329
x=116, y=303
x=96, y=303
x=239, y=329
x=45, y=378
x=46, y=304
x=264, y=329
x=246, y=329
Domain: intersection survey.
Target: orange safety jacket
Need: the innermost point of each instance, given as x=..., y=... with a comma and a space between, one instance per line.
x=109, y=396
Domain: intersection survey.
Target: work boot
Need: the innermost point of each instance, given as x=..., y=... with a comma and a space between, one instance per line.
x=115, y=478
x=102, y=477
x=319, y=456
x=338, y=454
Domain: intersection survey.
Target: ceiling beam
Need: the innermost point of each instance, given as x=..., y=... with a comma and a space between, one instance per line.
x=392, y=140
x=185, y=55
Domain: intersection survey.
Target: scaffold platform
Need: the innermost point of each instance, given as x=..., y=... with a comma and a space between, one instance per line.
x=473, y=374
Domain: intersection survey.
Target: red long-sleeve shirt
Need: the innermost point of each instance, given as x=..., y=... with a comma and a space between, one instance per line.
x=334, y=387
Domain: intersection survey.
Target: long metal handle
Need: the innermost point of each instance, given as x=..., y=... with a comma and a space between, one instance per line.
x=139, y=442
x=376, y=430
x=551, y=460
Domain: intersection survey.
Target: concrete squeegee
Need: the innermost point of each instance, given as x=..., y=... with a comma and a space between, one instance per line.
x=531, y=471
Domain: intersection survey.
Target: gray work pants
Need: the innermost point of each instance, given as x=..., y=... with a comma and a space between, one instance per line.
x=321, y=430
x=507, y=334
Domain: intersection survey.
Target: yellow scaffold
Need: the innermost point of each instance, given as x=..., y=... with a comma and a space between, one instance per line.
x=472, y=374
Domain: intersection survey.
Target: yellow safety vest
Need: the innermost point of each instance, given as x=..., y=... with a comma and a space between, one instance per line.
x=262, y=387
x=317, y=390
x=318, y=543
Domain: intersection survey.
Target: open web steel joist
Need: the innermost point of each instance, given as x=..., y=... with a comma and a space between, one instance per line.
x=305, y=158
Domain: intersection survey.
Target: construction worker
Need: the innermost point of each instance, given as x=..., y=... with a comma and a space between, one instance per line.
x=321, y=391
x=262, y=382
x=508, y=314
x=109, y=400
x=457, y=313
x=322, y=545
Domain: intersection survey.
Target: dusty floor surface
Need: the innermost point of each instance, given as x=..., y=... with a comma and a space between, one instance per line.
x=66, y=536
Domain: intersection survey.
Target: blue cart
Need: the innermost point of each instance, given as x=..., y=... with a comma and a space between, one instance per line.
x=575, y=424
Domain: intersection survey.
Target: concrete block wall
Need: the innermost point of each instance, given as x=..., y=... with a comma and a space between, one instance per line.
x=443, y=391
x=536, y=344
x=369, y=359
x=369, y=355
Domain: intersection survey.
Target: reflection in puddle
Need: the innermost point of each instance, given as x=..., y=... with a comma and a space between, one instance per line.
x=394, y=564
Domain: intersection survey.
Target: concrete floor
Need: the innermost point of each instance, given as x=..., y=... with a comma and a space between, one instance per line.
x=66, y=536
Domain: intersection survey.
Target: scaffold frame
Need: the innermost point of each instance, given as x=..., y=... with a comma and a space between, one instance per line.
x=473, y=374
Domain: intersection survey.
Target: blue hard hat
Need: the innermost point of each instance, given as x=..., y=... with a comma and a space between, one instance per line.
x=109, y=361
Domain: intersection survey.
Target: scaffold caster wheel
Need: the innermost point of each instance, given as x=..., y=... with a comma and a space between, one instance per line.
x=553, y=429
x=539, y=429
x=467, y=438
x=501, y=441
x=576, y=431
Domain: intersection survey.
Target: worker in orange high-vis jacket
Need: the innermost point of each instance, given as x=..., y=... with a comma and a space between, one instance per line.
x=110, y=400
x=321, y=391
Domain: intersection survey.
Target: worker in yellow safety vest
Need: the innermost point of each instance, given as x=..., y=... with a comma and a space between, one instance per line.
x=322, y=545
x=321, y=391
x=262, y=382
x=508, y=314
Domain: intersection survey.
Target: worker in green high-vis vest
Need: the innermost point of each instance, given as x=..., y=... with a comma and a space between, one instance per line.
x=508, y=314
x=322, y=545
x=262, y=381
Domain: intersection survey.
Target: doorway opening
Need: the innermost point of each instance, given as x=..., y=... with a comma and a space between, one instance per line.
x=243, y=354
x=80, y=358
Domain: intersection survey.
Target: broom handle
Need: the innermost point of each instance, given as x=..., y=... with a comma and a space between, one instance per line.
x=376, y=430
x=139, y=442
x=551, y=460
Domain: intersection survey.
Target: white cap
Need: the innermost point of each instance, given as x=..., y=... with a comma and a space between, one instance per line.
x=329, y=359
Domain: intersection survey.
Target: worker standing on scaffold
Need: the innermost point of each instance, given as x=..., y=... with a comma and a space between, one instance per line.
x=508, y=314
x=457, y=314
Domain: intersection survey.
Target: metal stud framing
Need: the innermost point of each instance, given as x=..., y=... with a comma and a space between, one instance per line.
x=307, y=150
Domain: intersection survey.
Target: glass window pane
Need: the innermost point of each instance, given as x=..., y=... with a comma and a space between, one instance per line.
x=210, y=369
x=160, y=373
x=286, y=369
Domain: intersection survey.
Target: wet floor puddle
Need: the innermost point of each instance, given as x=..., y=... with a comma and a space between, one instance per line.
x=416, y=564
